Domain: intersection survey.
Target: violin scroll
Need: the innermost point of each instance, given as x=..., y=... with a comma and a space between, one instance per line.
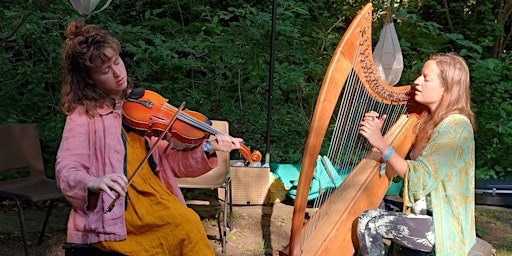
x=253, y=157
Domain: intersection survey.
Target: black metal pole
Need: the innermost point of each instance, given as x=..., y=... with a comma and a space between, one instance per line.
x=271, y=76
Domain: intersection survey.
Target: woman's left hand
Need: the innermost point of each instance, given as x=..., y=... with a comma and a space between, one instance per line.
x=225, y=143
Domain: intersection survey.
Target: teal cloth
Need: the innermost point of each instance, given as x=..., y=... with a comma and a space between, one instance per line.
x=321, y=182
x=288, y=174
x=395, y=188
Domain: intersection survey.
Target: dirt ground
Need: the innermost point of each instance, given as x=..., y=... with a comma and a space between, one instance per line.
x=257, y=230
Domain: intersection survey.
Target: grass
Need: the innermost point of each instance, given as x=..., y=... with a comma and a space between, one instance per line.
x=494, y=225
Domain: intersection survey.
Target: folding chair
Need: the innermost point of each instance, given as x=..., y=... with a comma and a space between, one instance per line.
x=218, y=177
x=20, y=150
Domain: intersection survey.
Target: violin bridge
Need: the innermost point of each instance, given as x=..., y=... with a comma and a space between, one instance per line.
x=145, y=103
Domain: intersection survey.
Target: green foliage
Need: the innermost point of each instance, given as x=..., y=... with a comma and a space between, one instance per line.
x=214, y=55
x=14, y=173
x=492, y=82
x=30, y=62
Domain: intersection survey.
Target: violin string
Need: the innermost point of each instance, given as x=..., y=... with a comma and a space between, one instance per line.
x=193, y=121
x=190, y=120
x=197, y=123
x=244, y=151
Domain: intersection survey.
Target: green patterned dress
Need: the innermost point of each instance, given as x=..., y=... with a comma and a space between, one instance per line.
x=445, y=172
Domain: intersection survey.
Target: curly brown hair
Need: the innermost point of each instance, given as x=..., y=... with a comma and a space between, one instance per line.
x=84, y=46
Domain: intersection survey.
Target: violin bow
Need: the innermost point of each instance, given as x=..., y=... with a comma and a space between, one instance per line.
x=148, y=154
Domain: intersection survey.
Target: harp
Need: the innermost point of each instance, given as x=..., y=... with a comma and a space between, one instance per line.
x=352, y=86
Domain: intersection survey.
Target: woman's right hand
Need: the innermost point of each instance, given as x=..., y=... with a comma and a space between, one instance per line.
x=108, y=183
x=370, y=127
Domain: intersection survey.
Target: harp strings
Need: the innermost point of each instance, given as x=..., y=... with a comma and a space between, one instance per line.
x=347, y=147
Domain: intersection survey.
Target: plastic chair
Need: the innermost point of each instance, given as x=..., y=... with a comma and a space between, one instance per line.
x=20, y=150
x=218, y=177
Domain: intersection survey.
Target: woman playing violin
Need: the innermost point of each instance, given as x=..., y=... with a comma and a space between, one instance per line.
x=97, y=154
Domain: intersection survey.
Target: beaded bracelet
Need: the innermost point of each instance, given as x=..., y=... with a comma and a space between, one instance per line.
x=387, y=154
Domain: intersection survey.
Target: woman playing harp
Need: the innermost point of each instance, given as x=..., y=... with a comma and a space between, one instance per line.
x=351, y=85
x=439, y=178
x=331, y=230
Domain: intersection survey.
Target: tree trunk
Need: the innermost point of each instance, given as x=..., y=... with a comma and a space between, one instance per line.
x=447, y=12
x=504, y=13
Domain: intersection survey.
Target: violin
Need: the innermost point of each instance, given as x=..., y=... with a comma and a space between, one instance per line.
x=146, y=110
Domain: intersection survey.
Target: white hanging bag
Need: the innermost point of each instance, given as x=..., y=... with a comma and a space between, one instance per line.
x=89, y=7
x=387, y=54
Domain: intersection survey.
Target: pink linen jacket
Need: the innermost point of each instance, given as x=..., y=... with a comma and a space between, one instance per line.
x=92, y=147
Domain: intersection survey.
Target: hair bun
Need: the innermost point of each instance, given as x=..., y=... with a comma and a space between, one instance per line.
x=74, y=29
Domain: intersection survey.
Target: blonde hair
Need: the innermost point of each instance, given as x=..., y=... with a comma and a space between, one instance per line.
x=84, y=46
x=454, y=75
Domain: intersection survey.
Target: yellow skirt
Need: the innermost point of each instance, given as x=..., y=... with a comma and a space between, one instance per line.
x=156, y=221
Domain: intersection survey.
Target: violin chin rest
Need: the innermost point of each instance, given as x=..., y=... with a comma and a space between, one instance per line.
x=137, y=93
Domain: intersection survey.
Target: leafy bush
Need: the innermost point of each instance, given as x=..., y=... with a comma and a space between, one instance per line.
x=214, y=55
